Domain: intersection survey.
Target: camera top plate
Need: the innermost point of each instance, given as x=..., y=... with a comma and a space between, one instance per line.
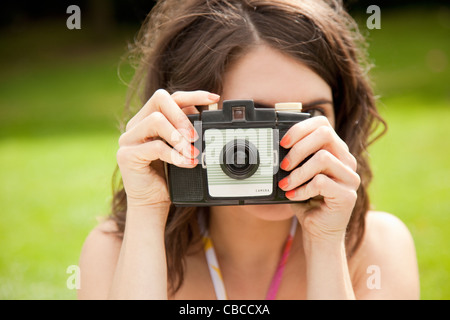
x=243, y=113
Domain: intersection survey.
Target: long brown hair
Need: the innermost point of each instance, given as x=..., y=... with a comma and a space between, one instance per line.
x=188, y=45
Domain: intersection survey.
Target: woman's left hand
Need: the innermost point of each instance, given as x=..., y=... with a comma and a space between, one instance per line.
x=331, y=172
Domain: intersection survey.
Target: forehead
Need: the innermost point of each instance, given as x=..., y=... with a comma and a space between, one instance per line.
x=270, y=76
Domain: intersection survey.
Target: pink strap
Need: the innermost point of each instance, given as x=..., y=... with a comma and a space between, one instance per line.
x=276, y=280
x=217, y=276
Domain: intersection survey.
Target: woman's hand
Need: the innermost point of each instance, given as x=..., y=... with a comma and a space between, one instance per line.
x=333, y=181
x=159, y=131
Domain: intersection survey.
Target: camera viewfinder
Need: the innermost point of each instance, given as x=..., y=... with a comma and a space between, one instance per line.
x=238, y=113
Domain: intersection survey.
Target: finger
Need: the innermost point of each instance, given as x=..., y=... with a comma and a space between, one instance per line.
x=190, y=110
x=323, y=137
x=154, y=126
x=322, y=162
x=186, y=99
x=321, y=185
x=143, y=154
x=302, y=129
x=163, y=102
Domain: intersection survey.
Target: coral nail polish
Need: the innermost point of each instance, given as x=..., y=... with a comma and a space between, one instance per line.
x=213, y=97
x=283, y=183
x=290, y=194
x=193, y=134
x=284, y=164
x=194, y=151
x=285, y=141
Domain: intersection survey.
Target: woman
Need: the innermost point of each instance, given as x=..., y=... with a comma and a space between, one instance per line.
x=195, y=53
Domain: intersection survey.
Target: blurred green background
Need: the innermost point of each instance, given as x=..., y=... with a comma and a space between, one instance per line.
x=61, y=96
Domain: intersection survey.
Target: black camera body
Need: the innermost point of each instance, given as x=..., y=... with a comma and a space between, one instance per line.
x=239, y=160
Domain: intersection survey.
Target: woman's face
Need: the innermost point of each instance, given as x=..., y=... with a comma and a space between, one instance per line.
x=268, y=76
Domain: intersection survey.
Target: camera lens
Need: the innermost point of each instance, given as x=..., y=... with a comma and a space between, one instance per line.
x=240, y=159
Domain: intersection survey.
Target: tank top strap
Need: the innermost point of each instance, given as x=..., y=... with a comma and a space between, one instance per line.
x=276, y=280
x=213, y=266
x=216, y=274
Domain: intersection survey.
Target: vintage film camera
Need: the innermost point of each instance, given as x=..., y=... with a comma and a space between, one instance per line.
x=240, y=155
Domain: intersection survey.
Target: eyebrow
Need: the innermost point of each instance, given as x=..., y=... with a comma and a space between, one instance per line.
x=317, y=102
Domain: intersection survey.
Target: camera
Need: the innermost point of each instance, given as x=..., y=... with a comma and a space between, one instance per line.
x=240, y=155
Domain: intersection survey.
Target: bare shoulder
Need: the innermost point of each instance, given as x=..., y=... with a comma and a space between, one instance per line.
x=385, y=228
x=98, y=259
x=103, y=238
x=386, y=260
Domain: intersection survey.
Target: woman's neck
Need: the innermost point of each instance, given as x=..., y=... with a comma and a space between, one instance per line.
x=245, y=241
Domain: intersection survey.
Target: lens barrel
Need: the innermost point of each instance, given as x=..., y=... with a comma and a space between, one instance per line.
x=239, y=159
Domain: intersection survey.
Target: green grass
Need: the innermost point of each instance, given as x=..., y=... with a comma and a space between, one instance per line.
x=59, y=104
x=60, y=97
x=412, y=173
x=51, y=198
x=412, y=162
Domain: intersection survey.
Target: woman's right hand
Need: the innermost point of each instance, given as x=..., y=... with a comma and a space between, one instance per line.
x=143, y=144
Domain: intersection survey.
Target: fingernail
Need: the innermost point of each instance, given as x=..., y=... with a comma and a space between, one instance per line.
x=283, y=183
x=285, y=141
x=213, y=97
x=284, y=164
x=193, y=134
x=290, y=194
x=194, y=152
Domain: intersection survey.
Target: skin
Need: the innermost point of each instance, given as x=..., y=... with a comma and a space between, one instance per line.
x=248, y=239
